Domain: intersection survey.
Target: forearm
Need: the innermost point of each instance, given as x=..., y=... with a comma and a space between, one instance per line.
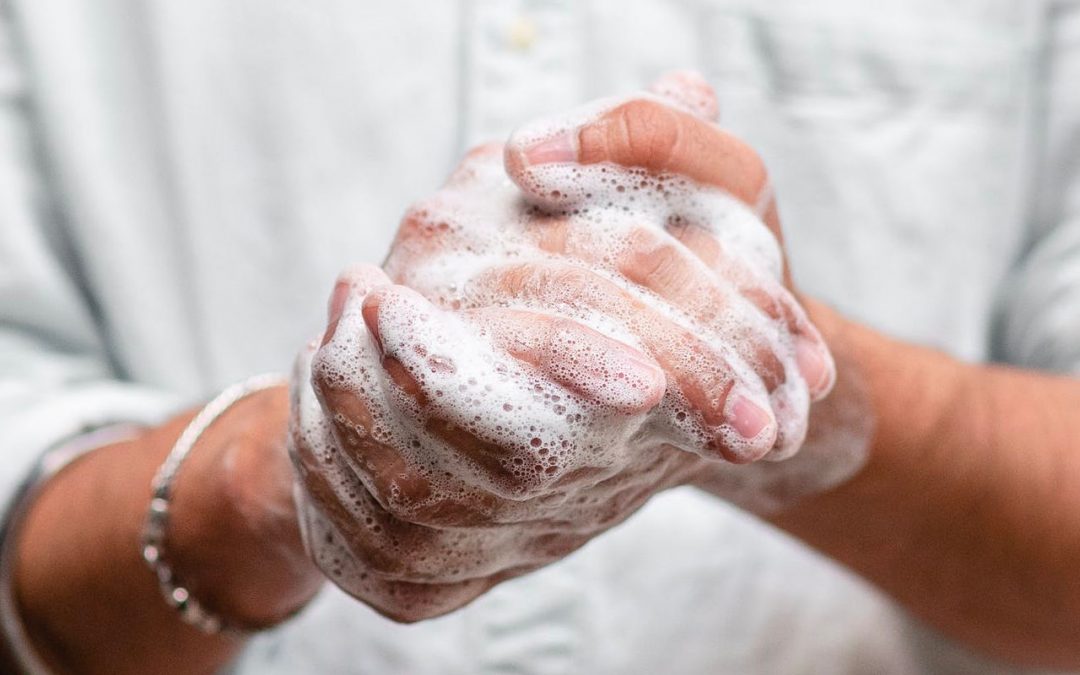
x=89, y=601
x=967, y=511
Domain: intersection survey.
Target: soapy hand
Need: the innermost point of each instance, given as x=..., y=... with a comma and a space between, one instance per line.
x=441, y=452
x=549, y=351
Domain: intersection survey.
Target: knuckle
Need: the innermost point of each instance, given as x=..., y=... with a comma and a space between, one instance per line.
x=341, y=403
x=426, y=221
x=551, y=233
x=541, y=282
x=649, y=134
x=660, y=266
x=514, y=279
x=570, y=277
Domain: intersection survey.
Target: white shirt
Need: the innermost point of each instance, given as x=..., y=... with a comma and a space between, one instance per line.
x=180, y=182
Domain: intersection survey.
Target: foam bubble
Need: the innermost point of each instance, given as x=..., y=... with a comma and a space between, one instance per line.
x=483, y=438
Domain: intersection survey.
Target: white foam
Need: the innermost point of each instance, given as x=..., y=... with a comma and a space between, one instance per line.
x=560, y=464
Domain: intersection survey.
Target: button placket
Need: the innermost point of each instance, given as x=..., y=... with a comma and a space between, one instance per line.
x=522, y=59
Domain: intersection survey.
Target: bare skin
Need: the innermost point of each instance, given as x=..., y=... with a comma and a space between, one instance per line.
x=89, y=602
x=967, y=512
x=964, y=512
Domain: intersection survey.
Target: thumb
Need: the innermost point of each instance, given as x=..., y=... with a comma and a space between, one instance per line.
x=644, y=132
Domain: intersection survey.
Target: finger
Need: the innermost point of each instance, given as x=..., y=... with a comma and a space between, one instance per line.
x=643, y=133
x=357, y=280
x=353, y=459
x=358, y=428
x=655, y=261
x=746, y=257
x=506, y=392
x=454, y=393
x=405, y=571
x=406, y=327
x=337, y=457
x=601, y=370
x=387, y=384
x=733, y=407
x=690, y=91
x=667, y=269
x=659, y=264
x=346, y=378
x=670, y=272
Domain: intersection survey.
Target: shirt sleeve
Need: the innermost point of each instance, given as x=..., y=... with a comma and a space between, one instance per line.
x=56, y=378
x=1038, y=324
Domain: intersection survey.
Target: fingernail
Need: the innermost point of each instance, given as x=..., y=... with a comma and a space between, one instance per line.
x=748, y=418
x=335, y=309
x=560, y=148
x=813, y=364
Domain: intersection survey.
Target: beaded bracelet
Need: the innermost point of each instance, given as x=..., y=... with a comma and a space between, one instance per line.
x=175, y=593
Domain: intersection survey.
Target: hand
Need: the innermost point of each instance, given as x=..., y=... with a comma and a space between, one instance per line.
x=451, y=447
x=442, y=452
x=232, y=539
x=672, y=133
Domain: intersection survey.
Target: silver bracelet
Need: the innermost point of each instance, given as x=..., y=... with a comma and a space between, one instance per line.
x=157, y=520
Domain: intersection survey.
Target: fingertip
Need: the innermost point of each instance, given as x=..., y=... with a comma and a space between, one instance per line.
x=528, y=150
x=357, y=280
x=396, y=314
x=689, y=90
x=755, y=428
x=514, y=159
x=561, y=148
x=392, y=314
x=748, y=418
x=551, y=142
x=816, y=367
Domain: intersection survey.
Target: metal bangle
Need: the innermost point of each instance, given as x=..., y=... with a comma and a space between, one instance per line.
x=50, y=463
x=154, y=553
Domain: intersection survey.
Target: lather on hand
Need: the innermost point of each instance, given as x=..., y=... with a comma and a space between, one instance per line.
x=601, y=316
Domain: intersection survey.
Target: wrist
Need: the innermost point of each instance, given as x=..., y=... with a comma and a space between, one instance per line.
x=912, y=390
x=233, y=536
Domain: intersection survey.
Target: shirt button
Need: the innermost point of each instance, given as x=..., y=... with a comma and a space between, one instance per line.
x=522, y=33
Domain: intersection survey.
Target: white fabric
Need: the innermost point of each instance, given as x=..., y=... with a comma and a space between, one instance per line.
x=181, y=181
